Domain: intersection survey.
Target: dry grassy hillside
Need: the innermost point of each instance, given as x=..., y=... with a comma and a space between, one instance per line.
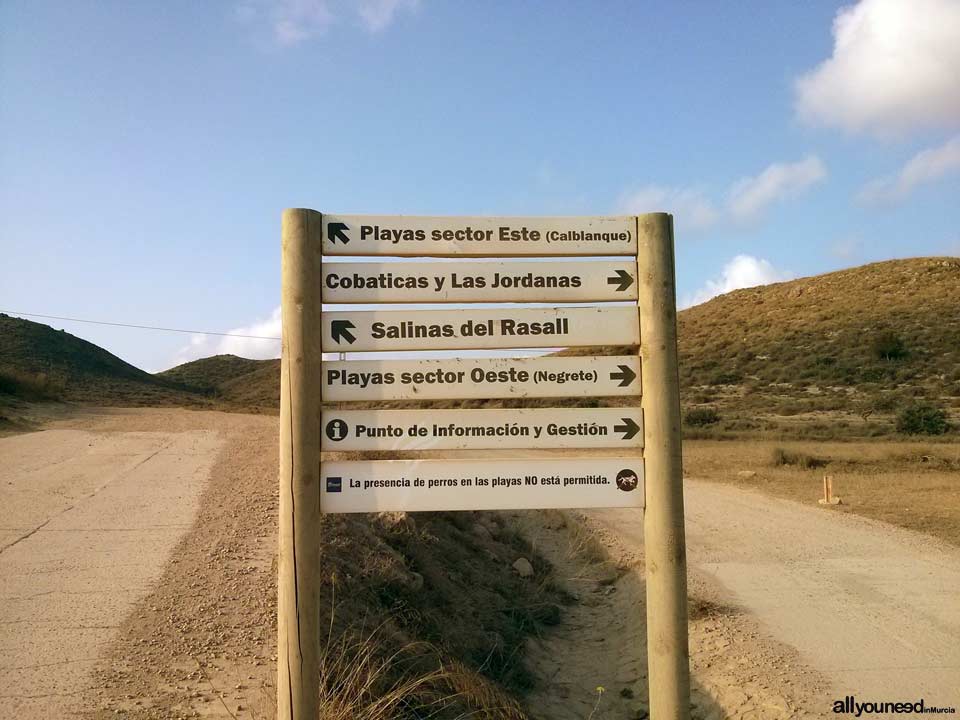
x=864, y=342
x=40, y=363
x=208, y=374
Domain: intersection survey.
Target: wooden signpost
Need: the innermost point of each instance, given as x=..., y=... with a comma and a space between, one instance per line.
x=646, y=473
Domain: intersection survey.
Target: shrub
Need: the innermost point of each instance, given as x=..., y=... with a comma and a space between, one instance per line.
x=725, y=378
x=700, y=417
x=31, y=386
x=920, y=418
x=889, y=346
x=803, y=461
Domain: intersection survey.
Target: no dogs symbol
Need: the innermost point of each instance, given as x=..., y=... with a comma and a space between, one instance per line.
x=627, y=480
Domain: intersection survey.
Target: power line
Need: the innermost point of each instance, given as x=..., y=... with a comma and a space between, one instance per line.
x=141, y=327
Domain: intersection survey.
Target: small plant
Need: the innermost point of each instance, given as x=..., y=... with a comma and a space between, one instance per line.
x=701, y=417
x=803, y=461
x=725, y=378
x=889, y=346
x=922, y=418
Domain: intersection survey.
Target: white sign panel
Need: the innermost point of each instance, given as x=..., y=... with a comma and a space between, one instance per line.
x=486, y=378
x=480, y=329
x=408, y=235
x=413, y=485
x=435, y=282
x=481, y=428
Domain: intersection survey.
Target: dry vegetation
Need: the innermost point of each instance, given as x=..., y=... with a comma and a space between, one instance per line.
x=911, y=484
x=836, y=355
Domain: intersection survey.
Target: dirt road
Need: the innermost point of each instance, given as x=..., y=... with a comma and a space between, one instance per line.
x=874, y=608
x=88, y=523
x=93, y=509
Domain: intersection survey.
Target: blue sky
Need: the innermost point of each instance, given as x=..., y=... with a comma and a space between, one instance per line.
x=148, y=149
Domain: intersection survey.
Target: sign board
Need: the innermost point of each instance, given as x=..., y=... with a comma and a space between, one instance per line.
x=482, y=428
x=409, y=235
x=374, y=486
x=583, y=457
x=485, y=378
x=437, y=282
x=480, y=329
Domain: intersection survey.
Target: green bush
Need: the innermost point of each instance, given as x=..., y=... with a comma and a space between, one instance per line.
x=700, y=417
x=803, y=461
x=889, y=346
x=921, y=418
x=725, y=378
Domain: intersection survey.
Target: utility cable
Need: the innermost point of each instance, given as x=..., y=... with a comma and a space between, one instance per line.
x=141, y=327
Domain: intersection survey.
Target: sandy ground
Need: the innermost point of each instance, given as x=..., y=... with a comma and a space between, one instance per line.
x=874, y=608
x=138, y=581
x=595, y=664
x=89, y=521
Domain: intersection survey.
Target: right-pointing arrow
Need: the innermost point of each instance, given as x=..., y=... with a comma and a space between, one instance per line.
x=622, y=280
x=629, y=428
x=625, y=376
x=337, y=231
x=340, y=330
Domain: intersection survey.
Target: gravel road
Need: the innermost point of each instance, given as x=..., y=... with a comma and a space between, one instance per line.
x=874, y=608
x=89, y=520
x=92, y=510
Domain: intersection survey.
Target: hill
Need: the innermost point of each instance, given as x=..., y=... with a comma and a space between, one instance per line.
x=208, y=374
x=39, y=362
x=864, y=341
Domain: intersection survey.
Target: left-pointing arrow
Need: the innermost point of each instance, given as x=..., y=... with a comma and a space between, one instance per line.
x=340, y=330
x=629, y=428
x=622, y=280
x=337, y=231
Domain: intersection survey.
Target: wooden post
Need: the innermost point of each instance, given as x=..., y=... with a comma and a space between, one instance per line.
x=668, y=654
x=298, y=639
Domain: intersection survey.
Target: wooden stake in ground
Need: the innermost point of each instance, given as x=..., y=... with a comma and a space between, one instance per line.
x=300, y=385
x=828, y=497
x=668, y=656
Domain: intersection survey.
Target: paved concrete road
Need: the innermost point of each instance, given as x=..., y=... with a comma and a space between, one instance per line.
x=873, y=607
x=87, y=522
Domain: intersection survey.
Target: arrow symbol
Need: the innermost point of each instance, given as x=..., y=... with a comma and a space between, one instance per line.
x=340, y=330
x=625, y=376
x=622, y=280
x=629, y=428
x=337, y=231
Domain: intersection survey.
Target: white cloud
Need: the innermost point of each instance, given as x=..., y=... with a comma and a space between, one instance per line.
x=743, y=271
x=746, y=199
x=291, y=22
x=201, y=346
x=378, y=14
x=691, y=209
x=895, y=67
x=925, y=167
x=751, y=195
